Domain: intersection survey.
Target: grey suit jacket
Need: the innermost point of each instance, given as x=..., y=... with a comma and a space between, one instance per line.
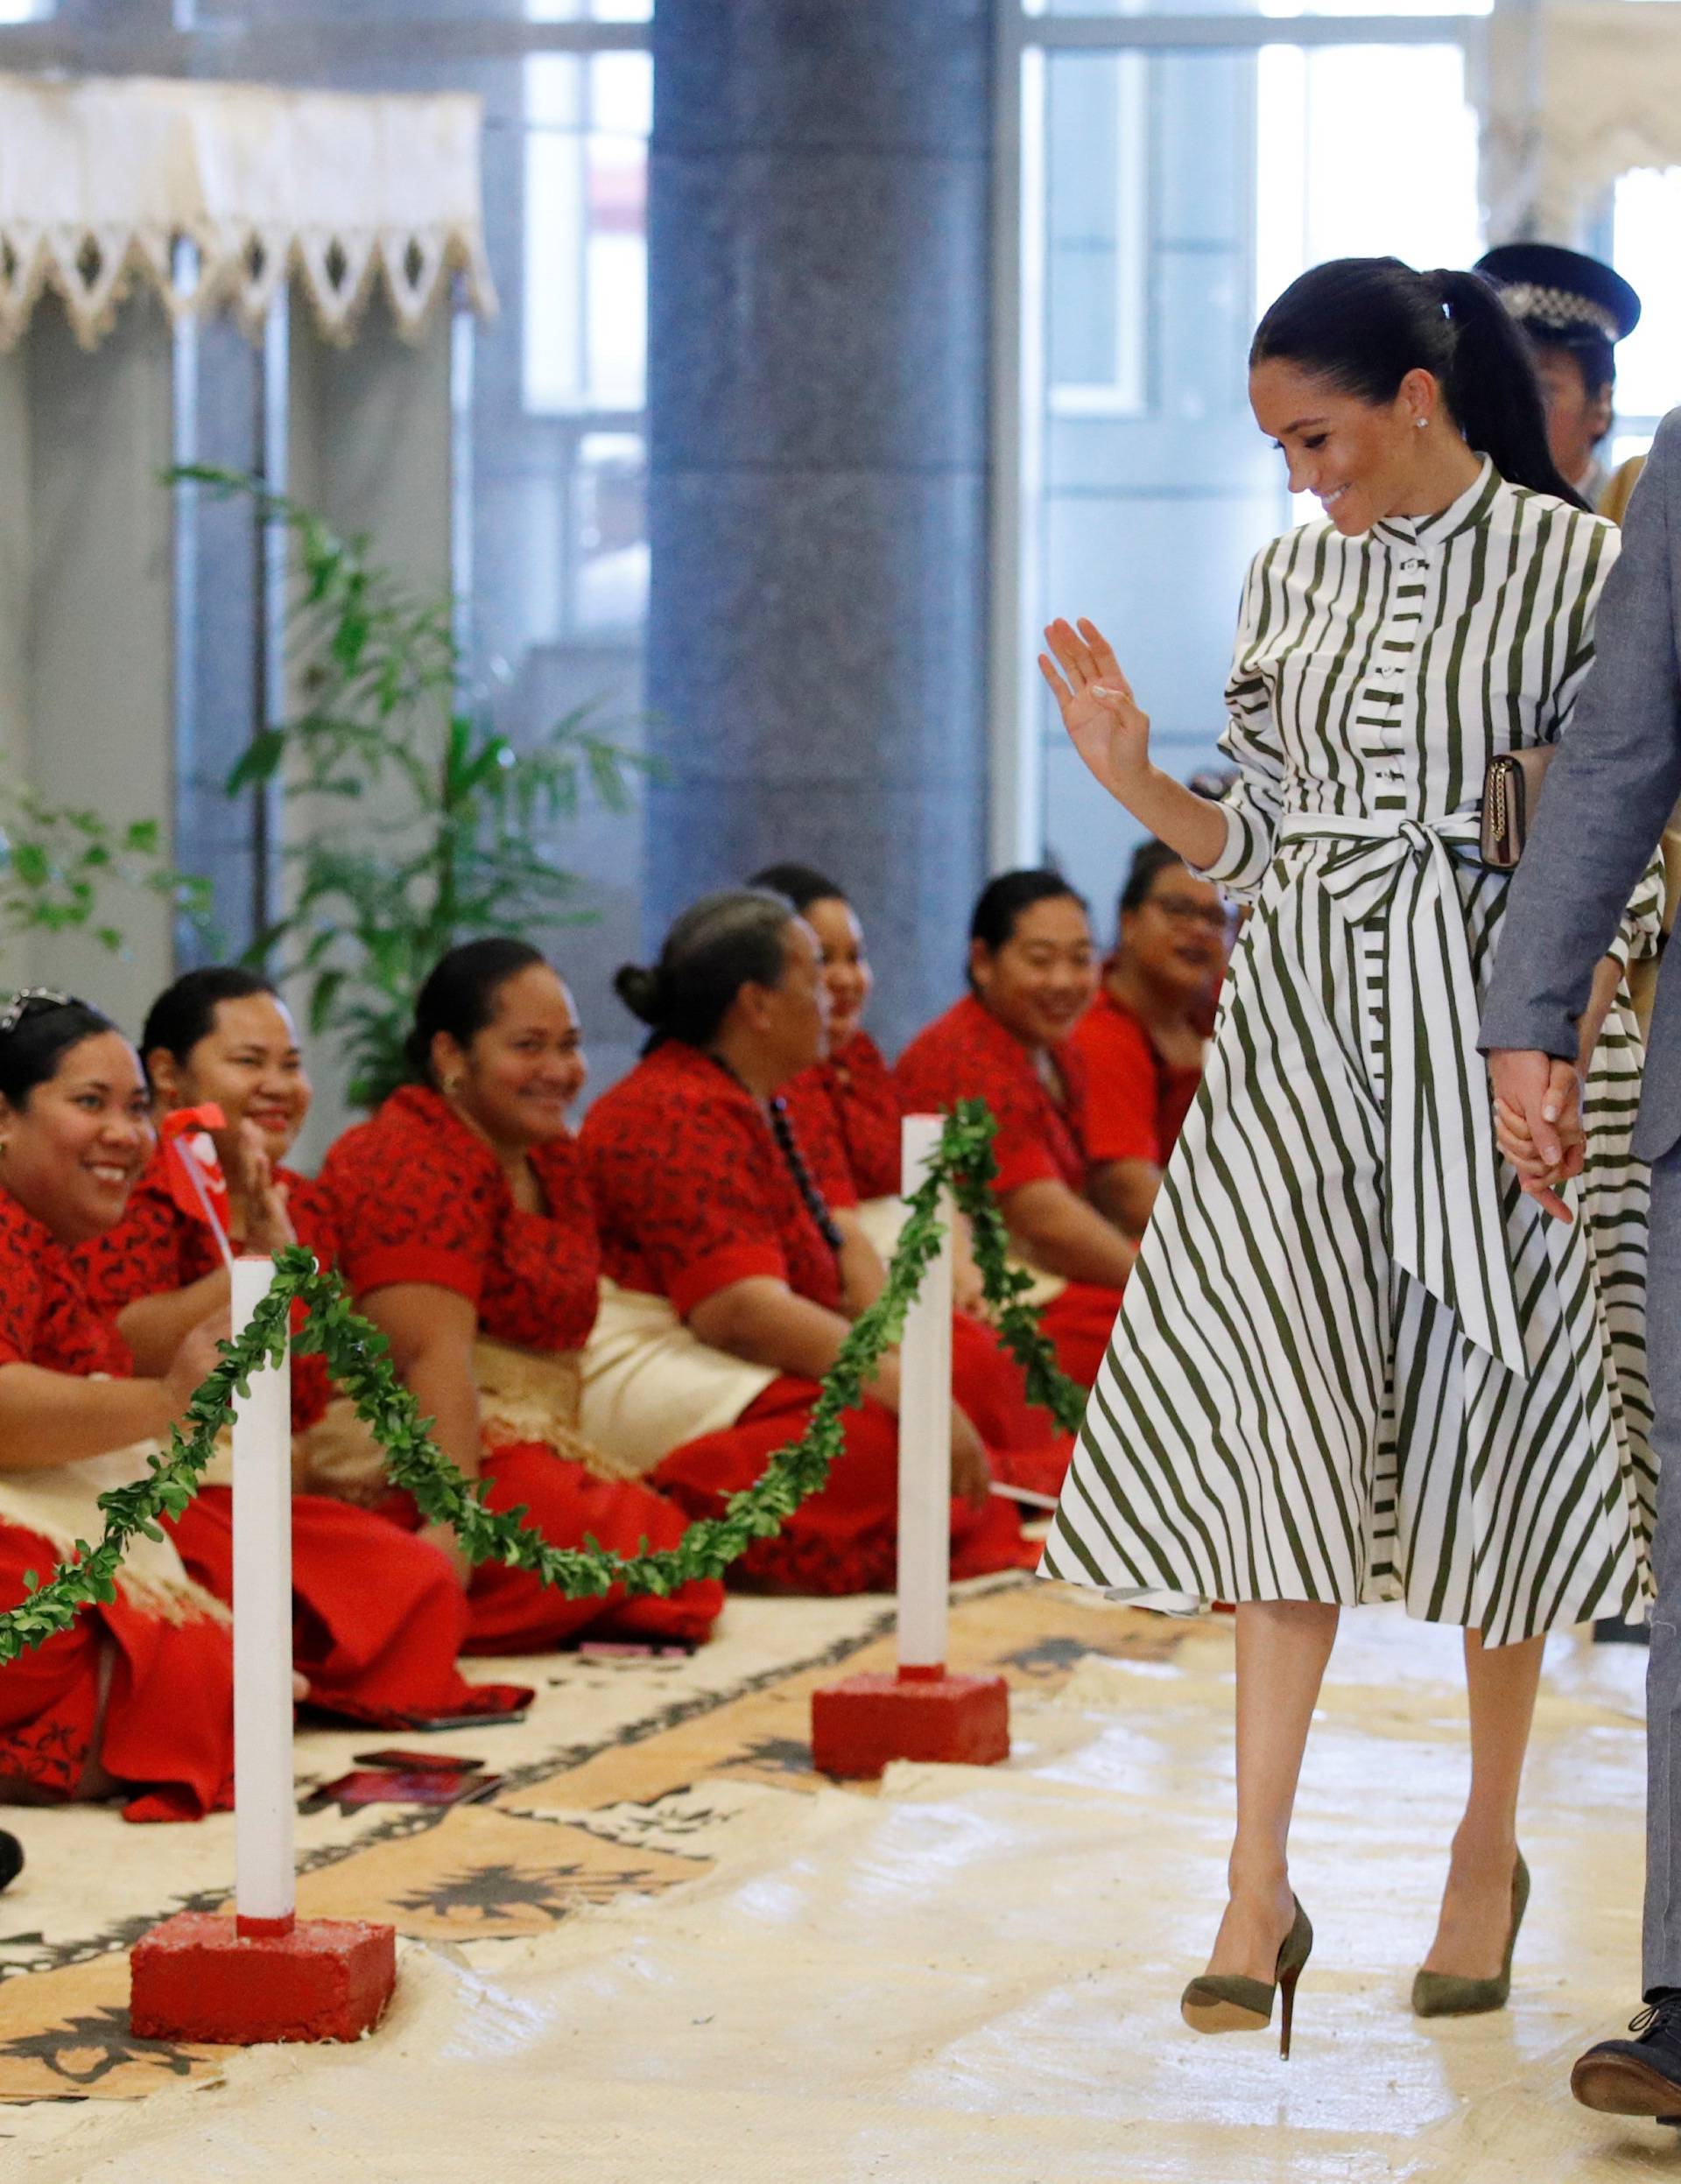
x=1609, y=793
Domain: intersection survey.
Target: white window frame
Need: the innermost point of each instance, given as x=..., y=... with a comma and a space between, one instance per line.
x=1015, y=802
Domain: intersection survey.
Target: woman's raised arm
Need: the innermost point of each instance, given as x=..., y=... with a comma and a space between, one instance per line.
x=1111, y=733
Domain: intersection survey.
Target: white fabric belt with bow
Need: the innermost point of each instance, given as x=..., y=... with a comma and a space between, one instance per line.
x=1448, y=1230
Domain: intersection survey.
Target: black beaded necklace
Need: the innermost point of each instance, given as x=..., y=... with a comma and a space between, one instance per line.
x=783, y=1130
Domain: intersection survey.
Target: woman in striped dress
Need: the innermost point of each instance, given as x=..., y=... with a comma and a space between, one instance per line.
x=1355, y=1362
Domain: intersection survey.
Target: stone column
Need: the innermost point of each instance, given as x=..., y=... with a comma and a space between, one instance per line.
x=818, y=361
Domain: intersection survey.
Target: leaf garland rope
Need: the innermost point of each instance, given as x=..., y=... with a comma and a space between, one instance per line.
x=357, y=1357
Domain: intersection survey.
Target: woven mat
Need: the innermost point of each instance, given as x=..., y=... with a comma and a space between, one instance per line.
x=571, y=1829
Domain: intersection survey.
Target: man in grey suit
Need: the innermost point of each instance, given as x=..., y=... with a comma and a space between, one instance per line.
x=1610, y=792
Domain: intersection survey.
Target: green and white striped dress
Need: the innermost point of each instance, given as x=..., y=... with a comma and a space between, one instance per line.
x=1355, y=1362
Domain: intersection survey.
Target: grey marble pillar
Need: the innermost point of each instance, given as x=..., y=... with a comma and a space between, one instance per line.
x=817, y=388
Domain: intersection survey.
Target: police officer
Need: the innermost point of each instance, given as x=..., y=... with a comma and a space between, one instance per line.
x=1574, y=310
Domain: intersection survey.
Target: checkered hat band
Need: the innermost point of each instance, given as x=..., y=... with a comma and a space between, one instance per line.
x=1557, y=307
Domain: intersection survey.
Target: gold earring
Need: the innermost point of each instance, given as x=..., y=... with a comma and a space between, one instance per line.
x=452, y=1085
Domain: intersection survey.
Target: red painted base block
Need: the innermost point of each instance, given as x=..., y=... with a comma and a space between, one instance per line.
x=859, y=1725
x=196, y=1977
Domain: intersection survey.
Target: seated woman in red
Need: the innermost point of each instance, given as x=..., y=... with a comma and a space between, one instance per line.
x=710, y=1216
x=851, y=1089
x=380, y=1652
x=846, y=1112
x=138, y=1697
x=467, y=1235
x=1142, y=1041
x=1032, y=973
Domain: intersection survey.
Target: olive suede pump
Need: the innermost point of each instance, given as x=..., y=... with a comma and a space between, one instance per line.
x=1445, y=1994
x=1220, y=2002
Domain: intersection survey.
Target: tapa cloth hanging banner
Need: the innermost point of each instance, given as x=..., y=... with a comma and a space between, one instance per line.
x=1574, y=93
x=99, y=179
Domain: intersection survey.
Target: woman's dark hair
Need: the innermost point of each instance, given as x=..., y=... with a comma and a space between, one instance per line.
x=1363, y=323
x=185, y=1012
x=36, y=1031
x=1003, y=900
x=802, y=884
x=1149, y=860
x=718, y=945
x=460, y=995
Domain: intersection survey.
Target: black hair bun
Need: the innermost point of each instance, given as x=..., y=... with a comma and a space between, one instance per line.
x=639, y=989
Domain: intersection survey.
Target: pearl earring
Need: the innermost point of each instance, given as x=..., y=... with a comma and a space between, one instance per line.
x=1419, y=424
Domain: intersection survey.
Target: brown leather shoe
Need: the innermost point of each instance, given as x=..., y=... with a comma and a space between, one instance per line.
x=1640, y=2076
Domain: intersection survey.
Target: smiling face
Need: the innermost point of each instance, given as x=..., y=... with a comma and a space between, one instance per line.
x=846, y=973
x=519, y=1074
x=1177, y=937
x=73, y=1149
x=249, y=1064
x=1362, y=460
x=1040, y=981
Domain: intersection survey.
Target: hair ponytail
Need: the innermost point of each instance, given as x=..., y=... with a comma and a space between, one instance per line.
x=1365, y=323
x=1492, y=389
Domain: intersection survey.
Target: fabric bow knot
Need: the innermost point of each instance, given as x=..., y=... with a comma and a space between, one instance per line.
x=1448, y=1226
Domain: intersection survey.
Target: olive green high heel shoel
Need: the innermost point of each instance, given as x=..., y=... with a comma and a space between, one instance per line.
x=1445, y=1994
x=1222, y=2002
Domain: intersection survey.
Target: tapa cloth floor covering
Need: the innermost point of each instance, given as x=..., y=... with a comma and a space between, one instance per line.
x=668, y=1950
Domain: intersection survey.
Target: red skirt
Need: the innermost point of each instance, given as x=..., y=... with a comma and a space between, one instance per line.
x=511, y=1612
x=1026, y=1447
x=843, y=1539
x=377, y=1616
x=1080, y=1323
x=169, y=1710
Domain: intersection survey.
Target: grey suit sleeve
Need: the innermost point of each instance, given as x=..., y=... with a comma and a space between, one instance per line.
x=1610, y=790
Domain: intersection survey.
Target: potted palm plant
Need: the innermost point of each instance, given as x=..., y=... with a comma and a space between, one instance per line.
x=426, y=824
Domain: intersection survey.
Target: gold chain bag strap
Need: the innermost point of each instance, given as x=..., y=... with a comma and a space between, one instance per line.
x=1511, y=792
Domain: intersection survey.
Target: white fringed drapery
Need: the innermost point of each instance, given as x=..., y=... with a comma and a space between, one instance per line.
x=99, y=181
x=1577, y=92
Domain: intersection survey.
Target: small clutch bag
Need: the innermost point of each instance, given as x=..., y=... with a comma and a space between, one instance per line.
x=1511, y=791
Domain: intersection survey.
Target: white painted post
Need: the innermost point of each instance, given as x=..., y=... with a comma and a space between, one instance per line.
x=265, y=1891
x=925, y=1432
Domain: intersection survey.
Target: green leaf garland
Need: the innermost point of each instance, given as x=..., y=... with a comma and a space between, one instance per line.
x=358, y=1358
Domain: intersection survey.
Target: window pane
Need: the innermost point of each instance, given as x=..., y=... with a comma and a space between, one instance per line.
x=586, y=325
x=1180, y=191
x=1257, y=7
x=1646, y=221
x=589, y=10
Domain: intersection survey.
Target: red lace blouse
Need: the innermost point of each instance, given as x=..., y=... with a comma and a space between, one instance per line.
x=158, y=1247
x=47, y=1316
x=693, y=1191
x=967, y=1054
x=418, y=1198
x=853, y=1093
x=1136, y=1101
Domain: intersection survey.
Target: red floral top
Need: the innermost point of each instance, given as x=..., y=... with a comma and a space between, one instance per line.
x=693, y=1193
x=1136, y=1101
x=419, y=1197
x=854, y=1093
x=159, y=1248
x=47, y=1316
x=967, y=1054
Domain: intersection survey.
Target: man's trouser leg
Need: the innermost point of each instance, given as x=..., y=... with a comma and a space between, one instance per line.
x=1662, y=1938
